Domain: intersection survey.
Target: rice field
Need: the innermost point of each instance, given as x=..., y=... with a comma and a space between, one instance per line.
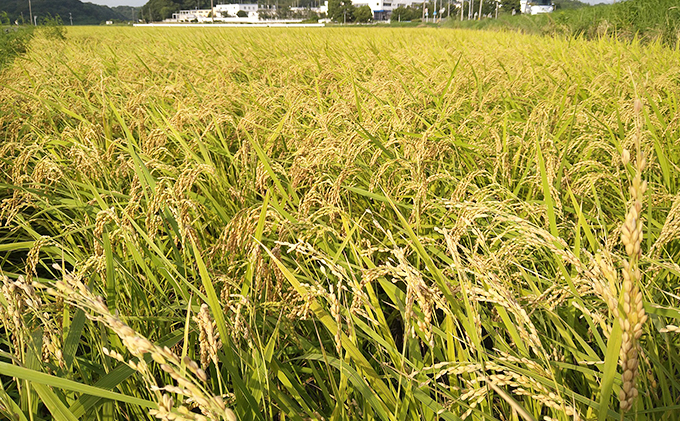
x=337, y=224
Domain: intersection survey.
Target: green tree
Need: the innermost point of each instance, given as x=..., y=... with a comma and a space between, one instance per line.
x=569, y=4
x=509, y=5
x=488, y=7
x=363, y=14
x=160, y=9
x=333, y=7
x=341, y=10
x=167, y=11
x=402, y=13
x=242, y=14
x=283, y=11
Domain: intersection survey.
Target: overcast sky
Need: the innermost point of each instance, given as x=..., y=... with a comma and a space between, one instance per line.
x=143, y=2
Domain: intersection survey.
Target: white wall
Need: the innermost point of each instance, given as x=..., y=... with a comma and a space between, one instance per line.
x=233, y=9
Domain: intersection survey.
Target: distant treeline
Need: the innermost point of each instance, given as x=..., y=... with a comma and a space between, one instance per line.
x=82, y=13
x=130, y=13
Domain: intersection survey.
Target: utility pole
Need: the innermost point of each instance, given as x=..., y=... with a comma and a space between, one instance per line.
x=481, y=2
x=30, y=10
x=462, y=6
x=212, y=11
x=423, y=11
x=70, y=16
x=471, y=6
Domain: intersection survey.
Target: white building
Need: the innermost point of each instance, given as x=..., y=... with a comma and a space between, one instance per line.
x=321, y=9
x=381, y=8
x=228, y=13
x=535, y=7
x=405, y=3
x=222, y=13
x=191, y=15
x=230, y=10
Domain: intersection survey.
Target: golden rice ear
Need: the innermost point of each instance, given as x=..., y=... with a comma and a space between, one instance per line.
x=73, y=290
x=632, y=315
x=208, y=338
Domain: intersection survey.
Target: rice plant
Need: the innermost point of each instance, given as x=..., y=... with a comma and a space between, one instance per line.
x=339, y=224
x=13, y=42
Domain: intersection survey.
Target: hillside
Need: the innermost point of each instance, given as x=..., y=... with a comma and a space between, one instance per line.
x=82, y=13
x=130, y=12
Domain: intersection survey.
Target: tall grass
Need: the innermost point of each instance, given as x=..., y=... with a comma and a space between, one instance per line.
x=645, y=19
x=336, y=224
x=13, y=42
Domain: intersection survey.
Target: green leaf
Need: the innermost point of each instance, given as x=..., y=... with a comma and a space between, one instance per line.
x=357, y=380
x=610, y=371
x=113, y=378
x=353, y=352
x=39, y=378
x=56, y=407
x=73, y=338
x=547, y=195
